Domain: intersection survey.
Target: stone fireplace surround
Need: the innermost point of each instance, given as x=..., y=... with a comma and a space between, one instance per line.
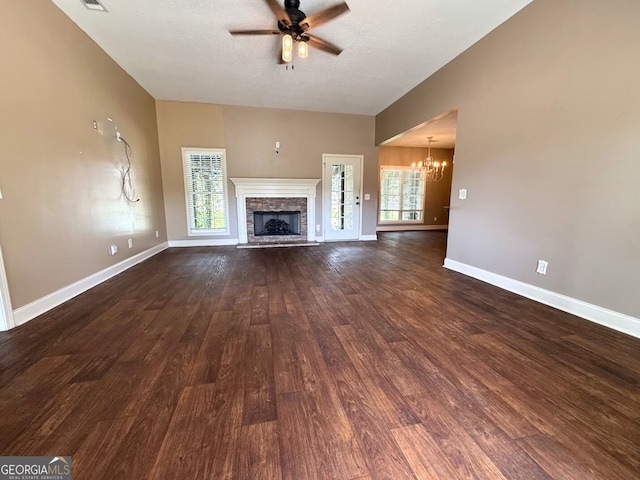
x=250, y=189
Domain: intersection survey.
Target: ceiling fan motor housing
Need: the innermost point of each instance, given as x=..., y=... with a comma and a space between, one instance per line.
x=296, y=16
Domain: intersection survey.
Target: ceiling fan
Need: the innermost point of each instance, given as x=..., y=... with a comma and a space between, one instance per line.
x=294, y=26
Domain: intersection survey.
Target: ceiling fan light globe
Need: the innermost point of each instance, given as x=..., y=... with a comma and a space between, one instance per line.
x=287, y=42
x=303, y=50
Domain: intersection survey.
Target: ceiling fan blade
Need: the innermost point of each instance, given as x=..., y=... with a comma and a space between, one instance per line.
x=321, y=44
x=255, y=32
x=279, y=12
x=323, y=16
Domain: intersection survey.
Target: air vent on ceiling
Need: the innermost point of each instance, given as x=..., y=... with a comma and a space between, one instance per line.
x=94, y=5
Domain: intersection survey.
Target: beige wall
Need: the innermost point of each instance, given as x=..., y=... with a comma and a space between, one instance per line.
x=547, y=146
x=62, y=205
x=185, y=125
x=437, y=193
x=249, y=136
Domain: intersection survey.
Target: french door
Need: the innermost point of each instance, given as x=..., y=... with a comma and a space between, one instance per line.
x=342, y=196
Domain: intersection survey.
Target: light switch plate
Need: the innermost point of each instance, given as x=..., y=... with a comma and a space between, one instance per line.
x=462, y=194
x=367, y=196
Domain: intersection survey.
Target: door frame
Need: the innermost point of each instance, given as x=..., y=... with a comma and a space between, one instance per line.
x=6, y=312
x=359, y=189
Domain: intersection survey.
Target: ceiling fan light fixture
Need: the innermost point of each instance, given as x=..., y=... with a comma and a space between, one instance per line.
x=287, y=47
x=293, y=24
x=287, y=42
x=303, y=49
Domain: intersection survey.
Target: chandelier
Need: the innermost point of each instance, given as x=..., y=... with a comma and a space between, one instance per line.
x=433, y=171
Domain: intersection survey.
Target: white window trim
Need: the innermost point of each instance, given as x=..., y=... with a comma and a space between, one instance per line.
x=424, y=197
x=190, y=220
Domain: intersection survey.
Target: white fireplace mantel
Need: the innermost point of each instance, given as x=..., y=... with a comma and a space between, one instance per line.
x=275, y=188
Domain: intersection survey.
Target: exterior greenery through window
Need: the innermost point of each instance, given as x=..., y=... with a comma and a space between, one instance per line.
x=402, y=191
x=205, y=176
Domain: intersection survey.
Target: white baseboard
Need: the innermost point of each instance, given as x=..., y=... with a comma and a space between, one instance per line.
x=209, y=242
x=609, y=318
x=6, y=312
x=402, y=228
x=368, y=238
x=38, y=307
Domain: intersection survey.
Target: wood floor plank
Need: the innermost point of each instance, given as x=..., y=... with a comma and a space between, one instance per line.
x=259, y=389
x=286, y=365
x=222, y=428
x=259, y=456
x=556, y=424
x=207, y=362
x=461, y=404
x=181, y=454
x=98, y=450
x=369, y=358
x=316, y=438
x=462, y=452
x=424, y=456
x=556, y=459
x=346, y=361
x=363, y=407
x=259, y=305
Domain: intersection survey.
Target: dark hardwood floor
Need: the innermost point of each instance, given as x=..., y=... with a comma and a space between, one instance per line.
x=343, y=361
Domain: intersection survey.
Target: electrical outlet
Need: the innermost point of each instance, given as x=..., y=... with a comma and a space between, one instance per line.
x=118, y=136
x=462, y=194
x=130, y=242
x=367, y=196
x=435, y=219
x=95, y=125
x=113, y=249
x=157, y=234
x=542, y=267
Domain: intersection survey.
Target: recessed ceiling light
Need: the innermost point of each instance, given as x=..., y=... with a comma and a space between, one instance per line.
x=94, y=5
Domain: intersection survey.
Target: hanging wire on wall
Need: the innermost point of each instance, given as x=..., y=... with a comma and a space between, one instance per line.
x=127, y=183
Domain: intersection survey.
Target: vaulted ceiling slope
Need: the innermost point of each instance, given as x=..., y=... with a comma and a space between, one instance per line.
x=182, y=50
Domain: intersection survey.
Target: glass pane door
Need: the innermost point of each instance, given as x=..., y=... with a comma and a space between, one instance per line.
x=342, y=197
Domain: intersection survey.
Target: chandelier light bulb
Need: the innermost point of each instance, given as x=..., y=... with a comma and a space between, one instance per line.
x=433, y=170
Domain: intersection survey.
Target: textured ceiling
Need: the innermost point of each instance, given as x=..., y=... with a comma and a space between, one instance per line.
x=181, y=49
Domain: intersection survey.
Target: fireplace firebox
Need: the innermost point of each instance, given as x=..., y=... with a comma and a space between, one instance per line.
x=276, y=223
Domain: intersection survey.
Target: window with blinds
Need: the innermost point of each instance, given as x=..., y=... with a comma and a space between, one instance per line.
x=402, y=191
x=205, y=178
